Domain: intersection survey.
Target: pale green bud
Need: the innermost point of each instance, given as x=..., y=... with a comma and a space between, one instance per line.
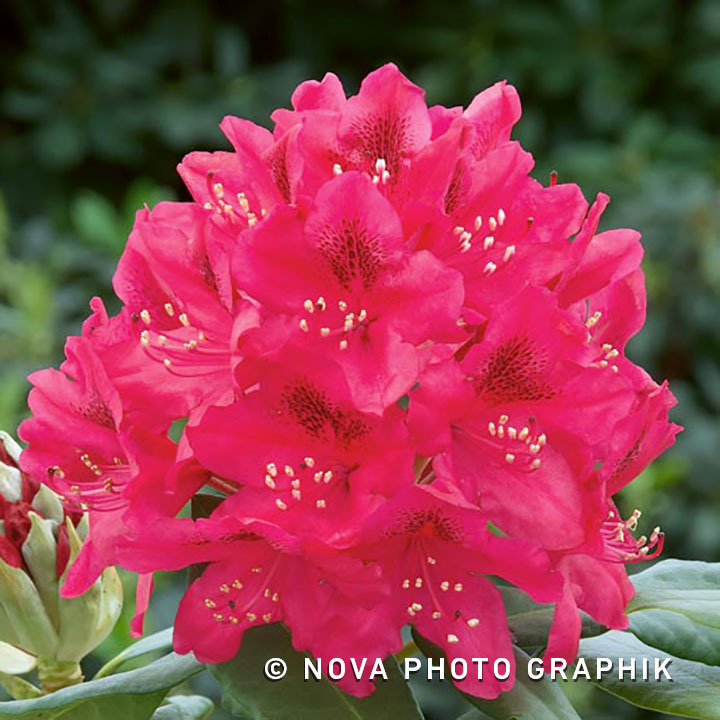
x=36, y=624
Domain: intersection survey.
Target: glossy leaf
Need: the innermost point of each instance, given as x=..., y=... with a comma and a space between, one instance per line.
x=185, y=707
x=159, y=642
x=135, y=694
x=528, y=700
x=677, y=609
x=250, y=695
x=530, y=622
x=694, y=691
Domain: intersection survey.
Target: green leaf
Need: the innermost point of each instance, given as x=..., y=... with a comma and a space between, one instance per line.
x=250, y=695
x=530, y=621
x=135, y=694
x=475, y=714
x=677, y=609
x=528, y=700
x=159, y=642
x=185, y=707
x=694, y=691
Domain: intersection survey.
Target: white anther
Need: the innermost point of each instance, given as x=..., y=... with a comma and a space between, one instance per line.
x=309, y=307
x=452, y=639
x=523, y=433
x=343, y=344
x=324, y=332
x=320, y=504
x=501, y=217
x=272, y=469
x=458, y=229
x=478, y=223
x=342, y=305
x=473, y=622
x=166, y=362
x=490, y=268
x=488, y=242
x=304, y=325
x=310, y=462
x=492, y=224
x=535, y=464
x=491, y=428
x=509, y=252
x=509, y=458
x=337, y=169
x=431, y=560
x=444, y=585
x=281, y=505
x=458, y=587
x=145, y=316
x=243, y=201
x=418, y=582
x=512, y=432
x=169, y=309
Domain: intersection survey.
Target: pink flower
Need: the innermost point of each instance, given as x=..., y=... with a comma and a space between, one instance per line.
x=305, y=457
x=180, y=302
x=386, y=338
x=509, y=413
x=81, y=447
x=342, y=283
x=434, y=551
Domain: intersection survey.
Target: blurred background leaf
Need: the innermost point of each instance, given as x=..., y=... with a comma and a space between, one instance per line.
x=99, y=100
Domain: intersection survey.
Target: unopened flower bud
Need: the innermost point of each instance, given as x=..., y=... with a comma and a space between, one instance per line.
x=38, y=543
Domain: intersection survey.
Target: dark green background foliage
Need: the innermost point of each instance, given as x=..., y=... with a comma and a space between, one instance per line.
x=101, y=99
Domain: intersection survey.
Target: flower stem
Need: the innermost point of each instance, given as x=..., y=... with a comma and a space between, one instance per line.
x=56, y=674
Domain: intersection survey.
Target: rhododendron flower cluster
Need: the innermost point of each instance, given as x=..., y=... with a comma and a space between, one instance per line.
x=401, y=363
